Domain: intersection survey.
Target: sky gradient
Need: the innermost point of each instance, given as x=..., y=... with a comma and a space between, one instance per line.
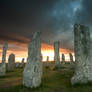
x=19, y=19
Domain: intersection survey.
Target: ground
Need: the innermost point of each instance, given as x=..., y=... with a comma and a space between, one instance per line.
x=52, y=81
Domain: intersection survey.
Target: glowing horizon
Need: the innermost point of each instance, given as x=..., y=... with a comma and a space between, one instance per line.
x=46, y=50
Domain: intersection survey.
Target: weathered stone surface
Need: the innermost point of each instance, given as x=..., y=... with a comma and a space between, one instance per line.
x=3, y=64
x=4, y=52
x=32, y=74
x=72, y=64
x=83, y=55
x=11, y=62
x=2, y=69
x=63, y=59
x=22, y=63
x=47, y=62
x=56, y=53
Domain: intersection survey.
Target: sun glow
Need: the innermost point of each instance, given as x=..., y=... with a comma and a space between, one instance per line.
x=46, y=50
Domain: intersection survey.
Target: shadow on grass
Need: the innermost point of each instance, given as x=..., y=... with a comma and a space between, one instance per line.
x=52, y=81
x=82, y=85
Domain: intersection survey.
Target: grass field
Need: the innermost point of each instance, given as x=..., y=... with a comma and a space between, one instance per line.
x=52, y=81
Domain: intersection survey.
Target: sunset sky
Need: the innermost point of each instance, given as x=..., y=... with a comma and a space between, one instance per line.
x=19, y=19
x=46, y=50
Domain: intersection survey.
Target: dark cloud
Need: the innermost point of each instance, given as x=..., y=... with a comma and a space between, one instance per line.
x=84, y=13
x=23, y=17
x=54, y=18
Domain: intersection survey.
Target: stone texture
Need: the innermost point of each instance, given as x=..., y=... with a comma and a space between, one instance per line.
x=32, y=74
x=63, y=59
x=22, y=63
x=2, y=69
x=83, y=55
x=72, y=64
x=11, y=62
x=47, y=62
x=4, y=52
x=56, y=53
x=3, y=64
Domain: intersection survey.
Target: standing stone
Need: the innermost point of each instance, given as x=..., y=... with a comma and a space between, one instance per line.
x=83, y=55
x=41, y=57
x=4, y=52
x=22, y=60
x=3, y=64
x=47, y=62
x=22, y=63
x=32, y=74
x=71, y=61
x=11, y=62
x=63, y=59
x=56, y=53
x=71, y=57
x=2, y=69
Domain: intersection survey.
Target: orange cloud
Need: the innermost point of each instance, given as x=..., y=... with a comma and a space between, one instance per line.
x=21, y=51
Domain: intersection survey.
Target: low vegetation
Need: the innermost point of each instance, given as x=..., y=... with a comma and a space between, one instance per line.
x=52, y=81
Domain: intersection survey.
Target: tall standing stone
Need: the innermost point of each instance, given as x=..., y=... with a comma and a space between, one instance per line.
x=47, y=59
x=32, y=74
x=3, y=64
x=4, y=52
x=63, y=59
x=47, y=62
x=41, y=57
x=56, y=53
x=83, y=55
x=22, y=63
x=71, y=57
x=11, y=62
x=71, y=61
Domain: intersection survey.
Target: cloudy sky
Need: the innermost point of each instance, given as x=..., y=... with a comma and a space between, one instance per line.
x=19, y=19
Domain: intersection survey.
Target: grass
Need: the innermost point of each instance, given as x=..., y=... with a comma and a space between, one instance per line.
x=52, y=81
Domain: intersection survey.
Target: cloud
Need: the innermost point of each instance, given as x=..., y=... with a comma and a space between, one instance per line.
x=83, y=14
x=54, y=18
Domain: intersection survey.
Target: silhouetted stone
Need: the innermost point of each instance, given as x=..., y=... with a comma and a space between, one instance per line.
x=4, y=52
x=41, y=57
x=56, y=53
x=32, y=74
x=3, y=64
x=22, y=63
x=72, y=64
x=47, y=62
x=63, y=60
x=11, y=62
